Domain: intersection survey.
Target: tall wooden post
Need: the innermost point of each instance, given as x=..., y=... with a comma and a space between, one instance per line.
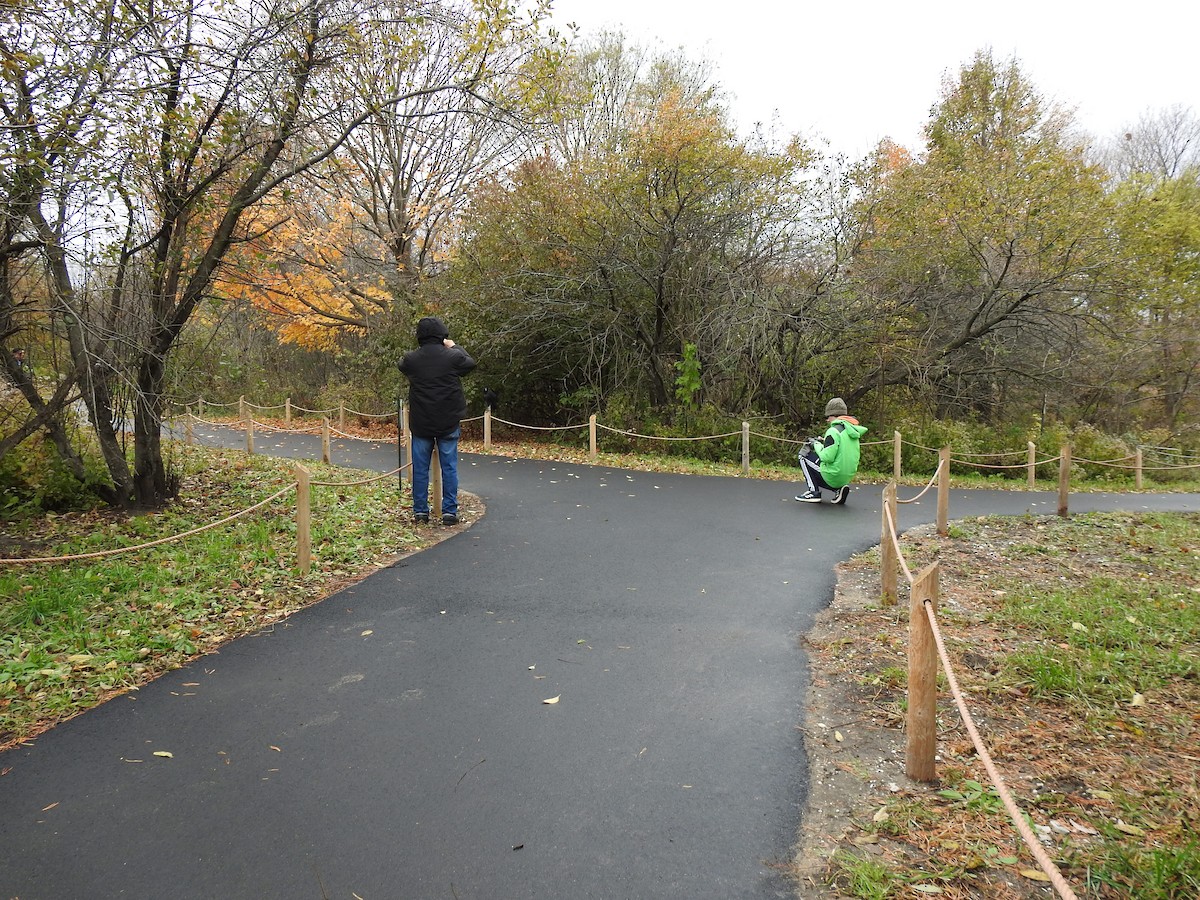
x=487, y=429
x=889, y=565
x=1137, y=470
x=188, y=437
x=897, y=446
x=303, y=520
x=248, y=424
x=401, y=449
x=592, y=448
x=943, y=509
x=435, y=482
x=326, y=457
x=287, y=412
x=242, y=407
x=1031, y=463
x=200, y=408
x=341, y=415
x=1064, y=479
x=921, y=727
x=745, y=448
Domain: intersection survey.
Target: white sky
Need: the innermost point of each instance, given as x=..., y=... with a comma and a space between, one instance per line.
x=853, y=73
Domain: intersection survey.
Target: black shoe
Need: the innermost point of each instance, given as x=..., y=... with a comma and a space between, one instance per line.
x=421, y=518
x=449, y=519
x=840, y=495
x=809, y=497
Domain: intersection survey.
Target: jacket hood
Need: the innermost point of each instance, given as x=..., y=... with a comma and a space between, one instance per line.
x=431, y=329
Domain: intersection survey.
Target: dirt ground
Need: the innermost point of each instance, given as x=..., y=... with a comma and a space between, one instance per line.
x=1063, y=772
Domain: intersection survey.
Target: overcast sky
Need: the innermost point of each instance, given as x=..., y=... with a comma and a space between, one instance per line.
x=856, y=72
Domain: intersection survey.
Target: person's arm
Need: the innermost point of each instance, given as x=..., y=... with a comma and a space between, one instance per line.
x=465, y=363
x=828, y=449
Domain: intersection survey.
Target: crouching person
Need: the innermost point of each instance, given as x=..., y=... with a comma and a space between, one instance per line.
x=830, y=462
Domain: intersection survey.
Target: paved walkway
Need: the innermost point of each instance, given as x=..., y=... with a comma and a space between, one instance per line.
x=392, y=742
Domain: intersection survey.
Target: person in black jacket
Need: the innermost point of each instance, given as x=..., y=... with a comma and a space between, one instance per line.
x=436, y=404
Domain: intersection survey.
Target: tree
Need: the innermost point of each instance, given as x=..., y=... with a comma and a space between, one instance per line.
x=603, y=262
x=210, y=111
x=986, y=254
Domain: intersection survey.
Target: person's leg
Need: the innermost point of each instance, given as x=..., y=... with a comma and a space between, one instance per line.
x=422, y=453
x=448, y=457
x=810, y=468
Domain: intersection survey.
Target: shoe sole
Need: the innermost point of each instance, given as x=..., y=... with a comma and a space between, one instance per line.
x=809, y=499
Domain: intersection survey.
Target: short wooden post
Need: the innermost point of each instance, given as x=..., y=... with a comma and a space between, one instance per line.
x=1137, y=469
x=745, y=448
x=889, y=565
x=408, y=441
x=287, y=412
x=303, y=520
x=897, y=445
x=248, y=424
x=592, y=448
x=487, y=429
x=200, y=408
x=921, y=727
x=1064, y=479
x=1031, y=463
x=435, y=481
x=326, y=456
x=341, y=415
x=943, y=509
x=400, y=446
x=242, y=407
x=188, y=437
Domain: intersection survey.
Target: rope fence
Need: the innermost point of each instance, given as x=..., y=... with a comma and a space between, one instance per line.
x=926, y=648
x=978, y=461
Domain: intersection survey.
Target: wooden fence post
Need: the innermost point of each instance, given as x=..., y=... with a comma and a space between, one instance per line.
x=200, y=408
x=897, y=443
x=287, y=412
x=921, y=726
x=325, y=455
x=303, y=520
x=435, y=482
x=400, y=447
x=242, y=407
x=1031, y=462
x=487, y=428
x=1064, y=479
x=889, y=565
x=408, y=441
x=745, y=448
x=1137, y=471
x=249, y=425
x=592, y=448
x=943, y=509
x=188, y=437
x=341, y=415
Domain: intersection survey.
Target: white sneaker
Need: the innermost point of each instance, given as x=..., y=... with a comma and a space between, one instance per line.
x=809, y=497
x=840, y=495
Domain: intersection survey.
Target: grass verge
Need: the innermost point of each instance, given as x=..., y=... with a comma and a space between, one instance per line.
x=1077, y=644
x=73, y=634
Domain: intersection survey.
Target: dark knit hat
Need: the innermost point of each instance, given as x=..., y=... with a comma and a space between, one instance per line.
x=431, y=329
x=836, y=407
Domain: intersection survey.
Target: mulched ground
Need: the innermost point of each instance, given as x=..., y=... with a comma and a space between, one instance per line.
x=1069, y=775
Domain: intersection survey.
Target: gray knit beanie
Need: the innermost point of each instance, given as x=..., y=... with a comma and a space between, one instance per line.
x=836, y=407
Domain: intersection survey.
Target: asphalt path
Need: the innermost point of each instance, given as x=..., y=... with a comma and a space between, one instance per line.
x=393, y=741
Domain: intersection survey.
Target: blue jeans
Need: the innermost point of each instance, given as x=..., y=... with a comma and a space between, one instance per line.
x=422, y=454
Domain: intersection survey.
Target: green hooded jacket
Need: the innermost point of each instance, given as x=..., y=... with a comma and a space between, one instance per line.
x=839, y=451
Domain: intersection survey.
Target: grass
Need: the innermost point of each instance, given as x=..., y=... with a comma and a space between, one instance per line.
x=1077, y=644
x=75, y=633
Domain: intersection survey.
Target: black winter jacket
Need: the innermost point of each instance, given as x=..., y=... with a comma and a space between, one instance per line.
x=436, y=401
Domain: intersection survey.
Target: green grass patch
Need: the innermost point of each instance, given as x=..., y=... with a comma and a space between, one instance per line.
x=75, y=632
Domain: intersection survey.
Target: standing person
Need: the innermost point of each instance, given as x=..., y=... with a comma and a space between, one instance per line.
x=436, y=404
x=831, y=461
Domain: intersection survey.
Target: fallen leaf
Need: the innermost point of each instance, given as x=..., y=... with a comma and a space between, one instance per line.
x=837, y=736
x=276, y=749
x=1035, y=874
x=1129, y=829
x=1138, y=700
x=927, y=889
x=51, y=806
x=531, y=668
x=552, y=700
x=365, y=633
x=165, y=753
x=881, y=815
